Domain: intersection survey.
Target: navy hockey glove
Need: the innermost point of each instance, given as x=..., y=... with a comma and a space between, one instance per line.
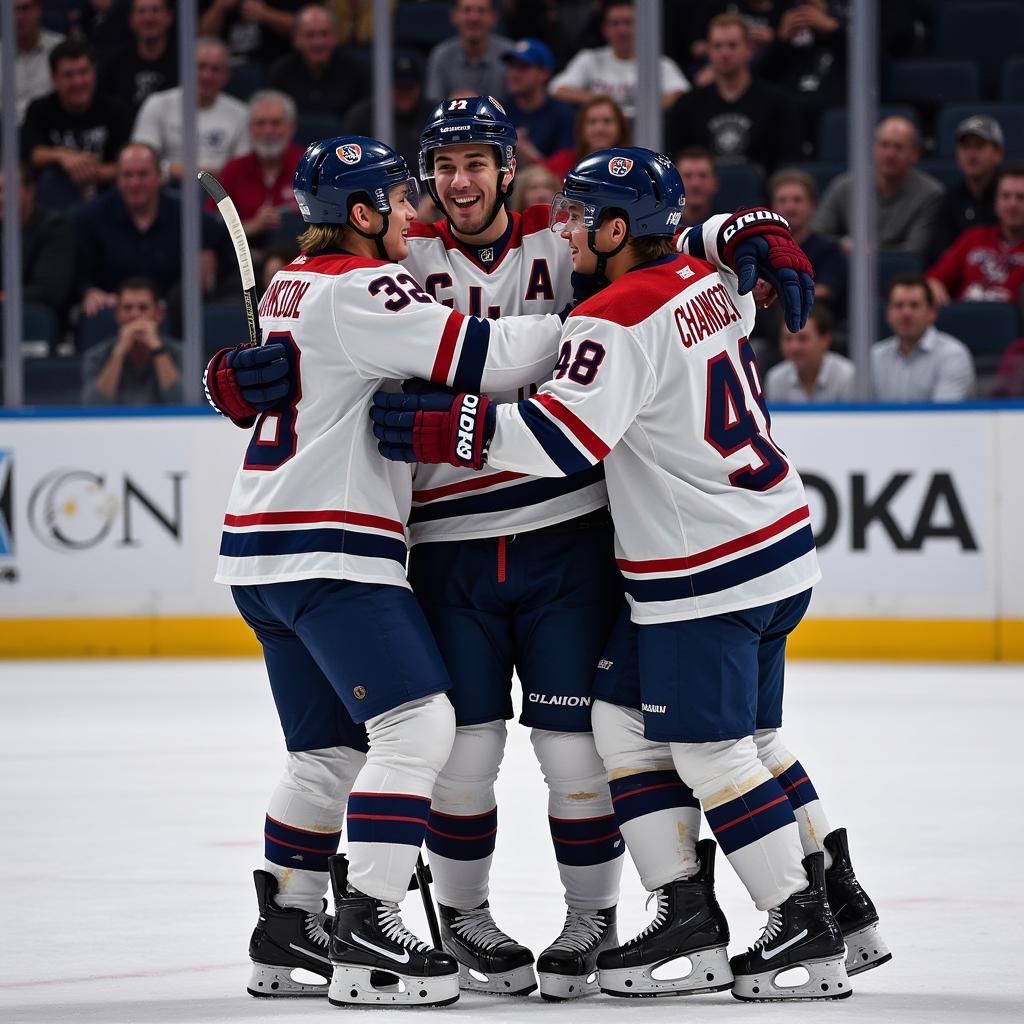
x=433, y=428
x=244, y=381
x=758, y=243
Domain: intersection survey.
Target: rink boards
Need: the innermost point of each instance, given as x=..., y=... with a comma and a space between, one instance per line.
x=110, y=524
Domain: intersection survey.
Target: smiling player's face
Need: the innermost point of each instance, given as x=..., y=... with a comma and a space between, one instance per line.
x=466, y=179
x=403, y=213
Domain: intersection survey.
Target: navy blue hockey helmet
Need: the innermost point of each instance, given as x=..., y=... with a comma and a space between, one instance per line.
x=334, y=173
x=459, y=122
x=643, y=185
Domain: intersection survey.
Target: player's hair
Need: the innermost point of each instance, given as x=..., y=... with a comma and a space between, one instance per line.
x=910, y=281
x=645, y=247
x=730, y=21
x=624, y=139
x=1009, y=171
x=273, y=96
x=317, y=237
x=792, y=176
x=138, y=284
x=70, y=49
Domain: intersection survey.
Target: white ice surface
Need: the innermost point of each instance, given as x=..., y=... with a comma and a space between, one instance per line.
x=133, y=795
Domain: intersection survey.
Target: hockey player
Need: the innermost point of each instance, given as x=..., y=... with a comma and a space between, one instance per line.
x=656, y=378
x=314, y=549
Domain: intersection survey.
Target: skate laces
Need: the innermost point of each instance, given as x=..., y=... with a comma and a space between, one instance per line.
x=660, y=915
x=771, y=929
x=582, y=929
x=314, y=928
x=390, y=922
x=478, y=927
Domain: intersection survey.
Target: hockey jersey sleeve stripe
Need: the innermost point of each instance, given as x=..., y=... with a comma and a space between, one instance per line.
x=692, y=242
x=446, y=348
x=586, y=437
x=475, y=483
x=562, y=452
x=531, y=492
x=470, y=367
x=720, y=550
x=332, y=515
x=722, y=577
x=291, y=542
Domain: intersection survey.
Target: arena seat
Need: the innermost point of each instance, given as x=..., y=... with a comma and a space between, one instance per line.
x=313, y=127
x=38, y=323
x=1009, y=115
x=422, y=26
x=1013, y=80
x=245, y=80
x=224, y=325
x=987, y=33
x=892, y=263
x=94, y=329
x=933, y=81
x=54, y=380
x=738, y=185
x=986, y=328
x=832, y=128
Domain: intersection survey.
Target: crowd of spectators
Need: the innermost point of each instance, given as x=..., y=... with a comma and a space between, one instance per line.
x=748, y=88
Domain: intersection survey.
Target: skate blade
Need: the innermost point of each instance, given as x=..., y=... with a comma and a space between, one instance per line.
x=865, y=949
x=687, y=974
x=269, y=981
x=518, y=982
x=369, y=986
x=558, y=988
x=825, y=979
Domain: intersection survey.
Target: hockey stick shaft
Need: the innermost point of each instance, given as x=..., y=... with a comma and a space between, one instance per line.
x=215, y=190
x=423, y=883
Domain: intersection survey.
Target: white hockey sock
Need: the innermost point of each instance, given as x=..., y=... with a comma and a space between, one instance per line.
x=304, y=821
x=658, y=815
x=796, y=784
x=588, y=844
x=390, y=800
x=463, y=816
x=749, y=815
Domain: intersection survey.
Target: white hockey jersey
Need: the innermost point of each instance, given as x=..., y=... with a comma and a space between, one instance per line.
x=656, y=377
x=313, y=497
x=529, y=272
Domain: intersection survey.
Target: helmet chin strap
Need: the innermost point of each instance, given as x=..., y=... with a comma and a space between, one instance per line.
x=603, y=257
x=377, y=238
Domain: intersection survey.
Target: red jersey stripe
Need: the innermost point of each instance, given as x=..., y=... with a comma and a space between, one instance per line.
x=331, y=515
x=586, y=437
x=446, y=348
x=475, y=484
x=730, y=547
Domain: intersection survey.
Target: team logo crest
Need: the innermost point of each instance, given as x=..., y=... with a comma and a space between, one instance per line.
x=620, y=166
x=350, y=153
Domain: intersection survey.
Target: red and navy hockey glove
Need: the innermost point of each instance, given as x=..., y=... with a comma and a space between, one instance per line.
x=244, y=381
x=433, y=428
x=758, y=243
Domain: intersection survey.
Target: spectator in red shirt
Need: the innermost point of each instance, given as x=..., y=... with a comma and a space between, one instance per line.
x=600, y=124
x=986, y=264
x=260, y=183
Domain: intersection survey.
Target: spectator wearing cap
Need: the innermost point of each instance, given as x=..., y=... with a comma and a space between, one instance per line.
x=907, y=200
x=611, y=70
x=794, y=194
x=918, y=363
x=972, y=201
x=986, y=264
x=316, y=73
x=72, y=136
x=470, y=62
x=809, y=373
x=220, y=118
x=149, y=62
x=696, y=167
x=408, y=104
x=741, y=119
x=544, y=124
x=34, y=45
x=260, y=183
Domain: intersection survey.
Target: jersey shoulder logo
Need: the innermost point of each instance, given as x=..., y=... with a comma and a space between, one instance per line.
x=620, y=166
x=350, y=153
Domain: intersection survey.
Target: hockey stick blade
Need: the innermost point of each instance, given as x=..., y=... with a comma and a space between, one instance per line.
x=215, y=190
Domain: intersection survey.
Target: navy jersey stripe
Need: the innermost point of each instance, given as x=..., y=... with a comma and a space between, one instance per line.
x=470, y=368
x=694, y=244
x=562, y=452
x=523, y=495
x=723, y=577
x=293, y=542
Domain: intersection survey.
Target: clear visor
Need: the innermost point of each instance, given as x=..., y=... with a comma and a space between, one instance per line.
x=566, y=214
x=408, y=189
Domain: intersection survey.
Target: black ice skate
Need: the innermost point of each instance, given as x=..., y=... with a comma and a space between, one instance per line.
x=800, y=953
x=376, y=959
x=489, y=961
x=682, y=951
x=568, y=967
x=287, y=939
x=853, y=910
